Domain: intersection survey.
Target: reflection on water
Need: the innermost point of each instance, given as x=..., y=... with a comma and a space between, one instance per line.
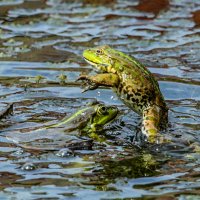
x=45, y=39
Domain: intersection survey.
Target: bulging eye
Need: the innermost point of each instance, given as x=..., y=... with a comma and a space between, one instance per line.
x=103, y=110
x=99, y=51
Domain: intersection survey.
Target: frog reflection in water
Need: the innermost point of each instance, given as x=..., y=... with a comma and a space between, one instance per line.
x=133, y=83
x=88, y=121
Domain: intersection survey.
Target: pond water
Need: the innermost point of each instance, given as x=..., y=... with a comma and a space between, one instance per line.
x=42, y=39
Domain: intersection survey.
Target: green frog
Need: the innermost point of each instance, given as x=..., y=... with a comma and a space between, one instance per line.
x=88, y=121
x=133, y=83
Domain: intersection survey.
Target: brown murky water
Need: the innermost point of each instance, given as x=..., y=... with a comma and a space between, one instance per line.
x=47, y=38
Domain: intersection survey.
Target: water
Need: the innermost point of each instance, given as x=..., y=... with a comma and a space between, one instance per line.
x=47, y=38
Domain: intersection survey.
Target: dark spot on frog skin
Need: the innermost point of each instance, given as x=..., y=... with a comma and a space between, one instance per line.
x=150, y=98
x=129, y=96
x=144, y=97
x=140, y=105
x=120, y=87
x=133, y=91
x=134, y=100
x=145, y=89
x=138, y=94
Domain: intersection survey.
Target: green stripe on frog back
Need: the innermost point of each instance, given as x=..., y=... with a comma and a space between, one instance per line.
x=129, y=61
x=75, y=115
x=121, y=57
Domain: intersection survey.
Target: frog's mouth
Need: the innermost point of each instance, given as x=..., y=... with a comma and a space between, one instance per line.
x=90, y=62
x=97, y=65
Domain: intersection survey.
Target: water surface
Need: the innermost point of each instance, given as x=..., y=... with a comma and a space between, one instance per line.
x=47, y=38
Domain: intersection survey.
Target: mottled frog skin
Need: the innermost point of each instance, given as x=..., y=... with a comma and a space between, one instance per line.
x=133, y=83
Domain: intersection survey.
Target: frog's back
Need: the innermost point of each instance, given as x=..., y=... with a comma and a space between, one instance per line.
x=137, y=86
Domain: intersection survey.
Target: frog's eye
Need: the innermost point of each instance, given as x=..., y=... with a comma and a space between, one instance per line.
x=102, y=110
x=99, y=51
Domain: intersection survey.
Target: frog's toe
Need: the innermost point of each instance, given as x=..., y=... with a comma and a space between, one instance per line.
x=88, y=84
x=82, y=78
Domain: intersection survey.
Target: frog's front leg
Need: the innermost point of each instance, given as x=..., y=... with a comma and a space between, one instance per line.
x=105, y=79
x=95, y=132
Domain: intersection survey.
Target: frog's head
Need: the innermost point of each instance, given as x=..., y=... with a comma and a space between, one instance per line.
x=99, y=57
x=104, y=114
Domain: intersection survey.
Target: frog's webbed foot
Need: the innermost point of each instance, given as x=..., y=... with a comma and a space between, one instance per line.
x=97, y=128
x=88, y=83
x=92, y=86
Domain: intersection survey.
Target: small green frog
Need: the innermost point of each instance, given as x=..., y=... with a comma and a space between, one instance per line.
x=88, y=121
x=92, y=118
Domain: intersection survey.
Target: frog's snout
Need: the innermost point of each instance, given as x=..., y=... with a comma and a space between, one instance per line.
x=115, y=109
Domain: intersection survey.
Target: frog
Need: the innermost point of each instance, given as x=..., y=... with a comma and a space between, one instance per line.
x=89, y=119
x=133, y=83
x=72, y=131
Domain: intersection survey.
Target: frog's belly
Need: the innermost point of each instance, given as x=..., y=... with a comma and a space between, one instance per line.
x=133, y=101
